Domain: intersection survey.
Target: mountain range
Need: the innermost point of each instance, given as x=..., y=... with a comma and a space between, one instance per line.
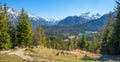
x=75, y=20
x=85, y=20
x=35, y=20
x=73, y=25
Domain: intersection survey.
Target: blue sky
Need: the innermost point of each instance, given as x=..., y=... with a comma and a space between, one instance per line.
x=59, y=9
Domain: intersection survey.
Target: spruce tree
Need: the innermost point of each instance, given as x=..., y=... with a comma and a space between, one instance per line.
x=78, y=43
x=70, y=45
x=114, y=44
x=83, y=42
x=24, y=30
x=12, y=33
x=39, y=36
x=107, y=34
x=5, y=42
x=48, y=43
x=75, y=43
x=89, y=46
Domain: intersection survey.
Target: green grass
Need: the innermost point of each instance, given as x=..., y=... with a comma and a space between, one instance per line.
x=11, y=58
x=46, y=55
x=71, y=58
x=49, y=55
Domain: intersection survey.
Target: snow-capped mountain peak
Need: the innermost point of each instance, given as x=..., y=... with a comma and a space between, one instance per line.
x=15, y=13
x=34, y=17
x=88, y=15
x=35, y=20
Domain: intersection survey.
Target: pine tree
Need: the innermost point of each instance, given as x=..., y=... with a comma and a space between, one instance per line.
x=100, y=38
x=89, y=46
x=12, y=33
x=5, y=42
x=70, y=45
x=83, y=42
x=114, y=44
x=39, y=37
x=52, y=43
x=24, y=30
x=75, y=43
x=107, y=34
x=48, y=43
x=78, y=43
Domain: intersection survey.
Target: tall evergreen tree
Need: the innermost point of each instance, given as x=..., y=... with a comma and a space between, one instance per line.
x=114, y=44
x=89, y=46
x=48, y=44
x=83, y=42
x=39, y=37
x=5, y=42
x=75, y=43
x=70, y=45
x=24, y=30
x=107, y=33
x=12, y=33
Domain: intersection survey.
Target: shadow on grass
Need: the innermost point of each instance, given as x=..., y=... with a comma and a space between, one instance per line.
x=102, y=58
x=86, y=58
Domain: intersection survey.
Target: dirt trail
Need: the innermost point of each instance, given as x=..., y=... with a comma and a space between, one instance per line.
x=19, y=52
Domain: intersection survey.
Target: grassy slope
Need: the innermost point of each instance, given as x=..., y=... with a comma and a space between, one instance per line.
x=10, y=58
x=49, y=55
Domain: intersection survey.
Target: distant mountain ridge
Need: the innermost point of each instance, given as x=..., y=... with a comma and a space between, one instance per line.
x=75, y=20
x=35, y=20
x=90, y=16
x=98, y=23
x=85, y=20
x=13, y=13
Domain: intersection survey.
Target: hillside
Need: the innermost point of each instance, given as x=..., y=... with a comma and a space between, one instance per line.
x=43, y=54
x=10, y=58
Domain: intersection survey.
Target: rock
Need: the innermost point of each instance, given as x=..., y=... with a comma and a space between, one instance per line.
x=98, y=51
x=16, y=47
x=31, y=47
x=62, y=52
x=38, y=46
x=58, y=54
